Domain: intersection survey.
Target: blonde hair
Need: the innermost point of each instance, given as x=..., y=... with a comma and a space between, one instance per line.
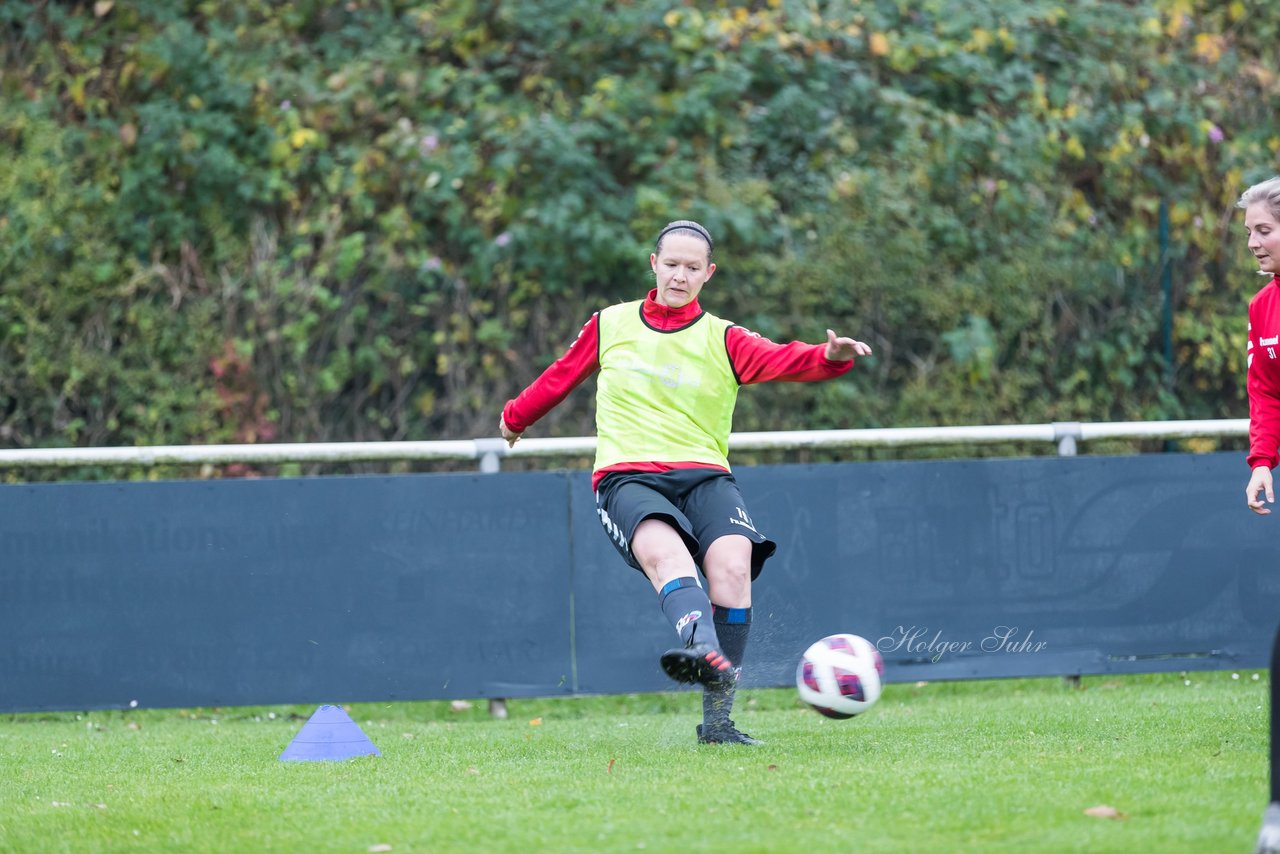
x=1267, y=191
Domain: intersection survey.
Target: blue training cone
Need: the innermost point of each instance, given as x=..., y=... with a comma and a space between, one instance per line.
x=330, y=735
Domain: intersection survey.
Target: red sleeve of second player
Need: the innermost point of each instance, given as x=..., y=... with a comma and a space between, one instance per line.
x=1264, y=397
x=756, y=359
x=562, y=376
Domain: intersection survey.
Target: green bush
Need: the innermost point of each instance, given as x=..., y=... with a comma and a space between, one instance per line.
x=306, y=221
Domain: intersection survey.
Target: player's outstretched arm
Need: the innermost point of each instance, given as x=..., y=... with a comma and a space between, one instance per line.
x=553, y=385
x=756, y=359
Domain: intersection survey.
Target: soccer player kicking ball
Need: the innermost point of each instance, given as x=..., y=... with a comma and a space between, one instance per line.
x=1261, y=204
x=669, y=378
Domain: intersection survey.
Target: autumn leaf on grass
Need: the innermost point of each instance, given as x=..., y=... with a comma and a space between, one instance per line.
x=1104, y=811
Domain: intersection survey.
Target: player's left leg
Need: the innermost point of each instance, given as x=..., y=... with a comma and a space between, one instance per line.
x=1269, y=836
x=732, y=556
x=727, y=566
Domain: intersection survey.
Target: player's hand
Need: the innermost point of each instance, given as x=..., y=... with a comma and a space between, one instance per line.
x=1260, y=481
x=510, y=435
x=843, y=349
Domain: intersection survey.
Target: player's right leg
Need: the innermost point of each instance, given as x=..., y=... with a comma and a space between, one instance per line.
x=653, y=536
x=667, y=563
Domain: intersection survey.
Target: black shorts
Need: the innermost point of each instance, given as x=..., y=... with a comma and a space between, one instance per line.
x=702, y=504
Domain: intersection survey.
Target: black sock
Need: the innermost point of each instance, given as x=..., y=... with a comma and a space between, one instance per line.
x=689, y=610
x=1275, y=718
x=732, y=627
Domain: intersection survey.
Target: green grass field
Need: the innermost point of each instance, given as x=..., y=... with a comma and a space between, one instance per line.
x=1007, y=765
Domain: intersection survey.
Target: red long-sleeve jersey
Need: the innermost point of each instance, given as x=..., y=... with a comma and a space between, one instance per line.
x=754, y=359
x=1263, y=376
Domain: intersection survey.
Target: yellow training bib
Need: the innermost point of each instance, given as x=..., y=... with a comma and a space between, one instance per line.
x=663, y=396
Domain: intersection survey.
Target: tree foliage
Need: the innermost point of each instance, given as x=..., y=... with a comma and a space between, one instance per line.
x=314, y=221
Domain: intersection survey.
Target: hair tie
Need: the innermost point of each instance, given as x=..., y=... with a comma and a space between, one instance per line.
x=688, y=224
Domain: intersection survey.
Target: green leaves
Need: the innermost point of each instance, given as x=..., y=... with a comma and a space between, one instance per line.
x=402, y=213
x=972, y=346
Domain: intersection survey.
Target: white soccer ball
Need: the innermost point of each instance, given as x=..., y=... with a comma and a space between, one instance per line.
x=840, y=675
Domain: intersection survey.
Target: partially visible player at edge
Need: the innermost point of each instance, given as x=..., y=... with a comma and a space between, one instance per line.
x=1261, y=204
x=669, y=378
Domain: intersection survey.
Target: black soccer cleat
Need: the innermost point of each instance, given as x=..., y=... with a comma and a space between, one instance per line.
x=701, y=663
x=724, y=733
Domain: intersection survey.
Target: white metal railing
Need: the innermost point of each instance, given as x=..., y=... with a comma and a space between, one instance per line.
x=1066, y=434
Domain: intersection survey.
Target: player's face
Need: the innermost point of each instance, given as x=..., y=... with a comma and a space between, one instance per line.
x=681, y=269
x=1264, y=237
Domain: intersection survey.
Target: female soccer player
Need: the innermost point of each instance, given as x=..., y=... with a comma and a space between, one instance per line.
x=669, y=378
x=1261, y=204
